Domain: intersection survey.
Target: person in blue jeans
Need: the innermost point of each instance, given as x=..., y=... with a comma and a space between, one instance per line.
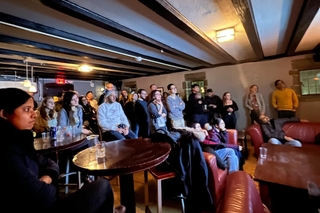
x=273, y=133
x=215, y=144
x=112, y=119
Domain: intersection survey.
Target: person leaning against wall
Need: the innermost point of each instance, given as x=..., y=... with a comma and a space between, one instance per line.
x=255, y=103
x=284, y=100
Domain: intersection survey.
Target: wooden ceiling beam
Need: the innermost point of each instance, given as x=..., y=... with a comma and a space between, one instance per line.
x=54, y=74
x=245, y=13
x=6, y=18
x=307, y=13
x=84, y=14
x=63, y=50
x=165, y=10
x=64, y=60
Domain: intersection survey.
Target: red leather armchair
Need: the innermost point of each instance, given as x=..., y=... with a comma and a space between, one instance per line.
x=305, y=132
x=241, y=195
x=217, y=177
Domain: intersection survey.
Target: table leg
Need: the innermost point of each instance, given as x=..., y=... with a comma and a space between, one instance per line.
x=264, y=193
x=127, y=196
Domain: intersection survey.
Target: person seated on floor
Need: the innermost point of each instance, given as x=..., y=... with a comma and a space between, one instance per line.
x=273, y=133
x=112, y=120
x=30, y=178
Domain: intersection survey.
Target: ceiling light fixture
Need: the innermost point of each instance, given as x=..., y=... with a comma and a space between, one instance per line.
x=26, y=83
x=225, y=35
x=85, y=68
x=32, y=88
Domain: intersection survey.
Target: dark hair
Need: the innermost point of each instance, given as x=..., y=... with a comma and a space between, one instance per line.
x=9, y=104
x=60, y=94
x=152, y=95
x=194, y=85
x=67, y=100
x=169, y=86
x=80, y=99
x=152, y=85
x=276, y=82
x=209, y=90
x=216, y=121
x=88, y=93
x=253, y=85
x=140, y=91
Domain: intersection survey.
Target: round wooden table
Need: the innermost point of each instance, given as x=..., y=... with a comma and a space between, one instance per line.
x=124, y=157
x=54, y=146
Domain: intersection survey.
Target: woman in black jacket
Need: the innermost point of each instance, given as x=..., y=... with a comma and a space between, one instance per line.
x=29, y=182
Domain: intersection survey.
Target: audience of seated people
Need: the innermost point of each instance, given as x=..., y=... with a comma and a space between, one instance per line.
x=139, y=114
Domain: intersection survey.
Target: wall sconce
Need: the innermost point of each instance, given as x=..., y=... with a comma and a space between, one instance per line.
x=85, y=68
x=225, y=35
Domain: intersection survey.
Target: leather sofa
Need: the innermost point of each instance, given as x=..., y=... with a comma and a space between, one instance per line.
x=241, y=195
x=217, y=177
x=305, y=132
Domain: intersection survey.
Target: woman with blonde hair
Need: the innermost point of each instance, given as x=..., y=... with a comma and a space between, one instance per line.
x=46, y=116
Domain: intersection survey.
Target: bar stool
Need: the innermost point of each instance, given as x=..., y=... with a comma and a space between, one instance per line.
x=159, y=174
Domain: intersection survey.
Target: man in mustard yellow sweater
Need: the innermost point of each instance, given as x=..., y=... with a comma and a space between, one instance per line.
x=284, y=100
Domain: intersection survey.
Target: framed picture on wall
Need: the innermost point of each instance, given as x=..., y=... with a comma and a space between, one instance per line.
x=160, y=89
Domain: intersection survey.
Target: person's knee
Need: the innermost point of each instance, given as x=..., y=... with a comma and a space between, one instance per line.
x=274, y=141
x=295, y=143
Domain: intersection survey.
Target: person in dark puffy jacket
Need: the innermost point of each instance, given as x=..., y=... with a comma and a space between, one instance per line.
x=30, y=179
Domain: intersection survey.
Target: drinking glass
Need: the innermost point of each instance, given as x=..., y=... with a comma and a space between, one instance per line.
x=100, y=152
x=60, y=134
x=263, y=152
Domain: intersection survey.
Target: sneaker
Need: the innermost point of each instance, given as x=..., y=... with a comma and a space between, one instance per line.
x=119, y=209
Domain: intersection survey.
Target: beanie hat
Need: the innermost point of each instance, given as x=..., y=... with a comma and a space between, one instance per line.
x=208, y=127
x=108, y=92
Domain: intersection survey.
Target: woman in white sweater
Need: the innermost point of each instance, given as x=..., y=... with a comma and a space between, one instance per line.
x=255, y=103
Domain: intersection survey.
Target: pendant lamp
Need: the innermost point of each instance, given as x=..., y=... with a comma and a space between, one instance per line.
x=26, y=82
x=32, y=88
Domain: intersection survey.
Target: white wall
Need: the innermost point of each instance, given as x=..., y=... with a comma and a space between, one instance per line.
x=237, y=79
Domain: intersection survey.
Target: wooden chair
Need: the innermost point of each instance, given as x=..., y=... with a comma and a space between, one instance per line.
x=159, y=174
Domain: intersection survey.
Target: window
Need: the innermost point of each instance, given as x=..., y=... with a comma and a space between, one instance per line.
x=310, y=82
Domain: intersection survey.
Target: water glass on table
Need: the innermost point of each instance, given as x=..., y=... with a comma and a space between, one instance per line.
x=263, y=152
x=100, y=152
x=45, y=137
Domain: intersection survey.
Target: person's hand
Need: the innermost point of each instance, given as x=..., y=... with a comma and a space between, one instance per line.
x=304, y=120
x=287, y=138
x=205, y=132
x=230, y=109
x=214, y=106
x=125, y=131
x=86, y=132
x=120, y=130
x=163, y=114
x=46, y=178
x=240, y=148
x=73, y=108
